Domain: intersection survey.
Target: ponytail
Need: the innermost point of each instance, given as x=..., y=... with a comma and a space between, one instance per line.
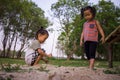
x=92, y=9
x=41, y=31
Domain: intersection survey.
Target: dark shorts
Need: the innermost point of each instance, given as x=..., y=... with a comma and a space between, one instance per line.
x=90, y=49
x=34, y=58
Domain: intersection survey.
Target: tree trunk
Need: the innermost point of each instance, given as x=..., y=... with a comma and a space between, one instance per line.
x=4, y=42
x=22, y=46
x=110, y=55
x=20, y=51
x=69, y=56
x=9, y=46
x=13, y=55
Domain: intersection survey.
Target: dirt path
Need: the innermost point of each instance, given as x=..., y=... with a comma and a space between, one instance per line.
x=50, y=72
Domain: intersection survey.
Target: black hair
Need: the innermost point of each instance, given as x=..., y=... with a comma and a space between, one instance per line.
x=92, y=10
x=41, y=31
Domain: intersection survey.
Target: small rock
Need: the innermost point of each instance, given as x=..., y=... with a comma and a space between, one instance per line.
x=11, y=76
x=67, y=72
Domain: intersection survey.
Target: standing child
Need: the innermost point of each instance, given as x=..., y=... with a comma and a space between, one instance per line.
x=90, y=34
x=34, y=52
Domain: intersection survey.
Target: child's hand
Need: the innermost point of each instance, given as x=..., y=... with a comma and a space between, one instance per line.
x=40, y=50
x=50, y=55
x=81, y=43
x=103, y=40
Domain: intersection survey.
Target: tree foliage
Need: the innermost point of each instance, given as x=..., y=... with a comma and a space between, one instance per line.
x=19, y=20
x=68, y=13
x=109, y=16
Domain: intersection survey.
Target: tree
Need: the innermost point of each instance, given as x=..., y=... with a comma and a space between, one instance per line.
x=66, y=11
x=20, y=20
x=109, y=16
x=8, y=22
x=77, y=30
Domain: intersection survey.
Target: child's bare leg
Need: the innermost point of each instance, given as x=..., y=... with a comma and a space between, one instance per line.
x=91, y=64
x=37, y=60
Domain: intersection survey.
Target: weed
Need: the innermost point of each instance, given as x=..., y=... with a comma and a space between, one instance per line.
x=43, y=68
x=115, y=70
x=9, y=68
x=6, y=78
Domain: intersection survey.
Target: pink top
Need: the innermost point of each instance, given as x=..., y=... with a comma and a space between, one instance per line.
x=90, y=32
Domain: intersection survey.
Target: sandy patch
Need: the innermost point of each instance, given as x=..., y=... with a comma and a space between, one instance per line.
x=50, y=72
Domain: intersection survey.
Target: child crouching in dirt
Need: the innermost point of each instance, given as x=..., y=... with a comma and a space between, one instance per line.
x=34, y=52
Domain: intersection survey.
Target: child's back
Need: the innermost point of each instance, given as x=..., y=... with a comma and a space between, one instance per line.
x=31, y=51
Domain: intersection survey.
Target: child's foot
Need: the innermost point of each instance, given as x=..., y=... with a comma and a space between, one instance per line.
x=93, y=69
x=36, y=65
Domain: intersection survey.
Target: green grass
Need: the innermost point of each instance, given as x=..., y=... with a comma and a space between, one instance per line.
x=63, y=62
x=60, y=62
x=82, y=63
x=12, y=61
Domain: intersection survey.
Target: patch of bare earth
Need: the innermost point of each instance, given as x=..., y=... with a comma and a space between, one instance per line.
x=50, y=72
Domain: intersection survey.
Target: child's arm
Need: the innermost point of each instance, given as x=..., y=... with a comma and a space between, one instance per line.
x=42, y=53
x=81, y=39
x=101, y=31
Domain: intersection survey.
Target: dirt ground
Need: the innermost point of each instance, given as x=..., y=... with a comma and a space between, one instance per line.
x=50, y=72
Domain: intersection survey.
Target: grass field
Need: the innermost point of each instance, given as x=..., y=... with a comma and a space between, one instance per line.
x=63, y=62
